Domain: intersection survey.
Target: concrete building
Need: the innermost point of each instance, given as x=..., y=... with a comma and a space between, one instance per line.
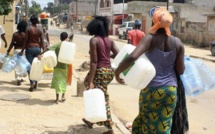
x=190, y=19
x=8, y=23
x=82, y=11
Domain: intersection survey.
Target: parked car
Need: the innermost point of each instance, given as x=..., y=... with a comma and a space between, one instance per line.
x=213, y=48
x=124, y=28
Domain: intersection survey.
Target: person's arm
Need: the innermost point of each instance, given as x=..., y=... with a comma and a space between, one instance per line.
x=25, y=41
x=129, y=37
x=179, y=64
x=47, y=37
x=93, y=61
x=4, y=39
x=41, y=40
x=114, y=50
x=71, y=37
x=141, y=48
x=11, y=45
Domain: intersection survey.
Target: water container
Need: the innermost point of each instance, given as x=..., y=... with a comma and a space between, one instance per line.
x=67, y=52
x=1, y=58
x=24, y=63
x=49, y=59
x=5, y=60
x=207, y=75
x=140, y=73
x=36, y=69
x=10, y=64
x=191, y=78
x=94, y=105
x=20, y=70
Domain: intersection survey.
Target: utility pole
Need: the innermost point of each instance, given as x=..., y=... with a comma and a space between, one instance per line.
x=167, y=5
x=122, y=11
x=96, y=3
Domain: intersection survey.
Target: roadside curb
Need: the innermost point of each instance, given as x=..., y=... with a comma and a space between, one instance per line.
x=119, y=124
x=212, y=60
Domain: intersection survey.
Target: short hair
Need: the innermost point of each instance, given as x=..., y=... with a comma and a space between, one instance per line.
x=21, y=27
x=63, y=36
x=99, y=26
x=34, y=19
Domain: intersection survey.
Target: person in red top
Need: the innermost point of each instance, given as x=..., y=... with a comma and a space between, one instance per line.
x=135, y=35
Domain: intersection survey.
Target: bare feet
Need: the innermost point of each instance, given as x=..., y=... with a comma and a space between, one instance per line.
x=56, y=101
x=89, y=124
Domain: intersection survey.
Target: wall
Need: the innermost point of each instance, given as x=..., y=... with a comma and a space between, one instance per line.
x=193, y=28
x=9, y=28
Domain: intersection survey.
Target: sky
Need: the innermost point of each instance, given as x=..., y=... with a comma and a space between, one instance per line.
x=43, y=3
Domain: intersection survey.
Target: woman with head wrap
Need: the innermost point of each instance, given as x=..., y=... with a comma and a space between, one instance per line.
x=158, y=100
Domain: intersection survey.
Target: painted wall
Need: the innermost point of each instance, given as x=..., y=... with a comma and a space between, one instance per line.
x=9, y=27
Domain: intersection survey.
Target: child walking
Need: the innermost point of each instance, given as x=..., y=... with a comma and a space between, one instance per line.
x=60, y=75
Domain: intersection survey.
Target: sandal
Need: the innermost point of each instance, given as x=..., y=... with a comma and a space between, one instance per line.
x=89, y=124
x=128, y=125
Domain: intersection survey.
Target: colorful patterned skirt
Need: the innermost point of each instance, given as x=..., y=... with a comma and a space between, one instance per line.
x=102, y=78
x=156, y=108
x=59, y=80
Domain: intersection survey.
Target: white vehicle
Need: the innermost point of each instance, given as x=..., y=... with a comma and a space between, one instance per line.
x=124, y=28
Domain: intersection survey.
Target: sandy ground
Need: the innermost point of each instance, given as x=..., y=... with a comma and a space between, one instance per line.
x=39, y=115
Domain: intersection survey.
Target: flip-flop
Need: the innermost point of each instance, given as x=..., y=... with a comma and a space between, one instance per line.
x=90, y=125
x=128, y=125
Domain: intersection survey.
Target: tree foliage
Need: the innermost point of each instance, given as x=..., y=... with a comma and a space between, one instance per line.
x=56, y=9
x=5, y=7
x=35, y=8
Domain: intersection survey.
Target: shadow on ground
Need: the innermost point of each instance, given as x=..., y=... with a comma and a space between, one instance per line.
x=79, y=129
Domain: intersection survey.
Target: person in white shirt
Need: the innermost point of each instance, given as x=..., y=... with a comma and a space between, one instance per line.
x=2, y=33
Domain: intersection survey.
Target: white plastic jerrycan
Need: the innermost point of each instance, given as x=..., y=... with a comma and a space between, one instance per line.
x=36, y=69
x=67, y=52
x=140, y=73
x=191, y=79
x=94, y=105
x=49, y=59
x=10, y=65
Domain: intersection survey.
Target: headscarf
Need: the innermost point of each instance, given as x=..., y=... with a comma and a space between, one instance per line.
x=161, y=19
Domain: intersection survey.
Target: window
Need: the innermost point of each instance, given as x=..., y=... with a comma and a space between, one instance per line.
x=108, y=3
x=101, y=3
x=131, y=24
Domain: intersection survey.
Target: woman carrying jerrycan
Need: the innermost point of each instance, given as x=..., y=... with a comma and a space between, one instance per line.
x=32, y=45
x=62, y=72
x=157, y=101
x=100, y=74
x=17, y=42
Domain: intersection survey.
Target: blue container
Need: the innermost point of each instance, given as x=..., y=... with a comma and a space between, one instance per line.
x=10, y=65
x=206, y=74
x=191, y=78
x=24, y=63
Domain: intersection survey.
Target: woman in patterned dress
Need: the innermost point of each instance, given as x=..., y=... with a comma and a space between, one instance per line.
x=158, y=100
x=100, y=74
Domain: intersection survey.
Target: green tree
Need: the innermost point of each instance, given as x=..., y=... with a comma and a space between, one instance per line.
x=50, y=8
x=35, y=8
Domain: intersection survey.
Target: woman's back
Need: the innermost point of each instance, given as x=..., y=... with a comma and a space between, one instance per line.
x=163, y=54
x=18, y=40
x=103, y=51
x=33, y=36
